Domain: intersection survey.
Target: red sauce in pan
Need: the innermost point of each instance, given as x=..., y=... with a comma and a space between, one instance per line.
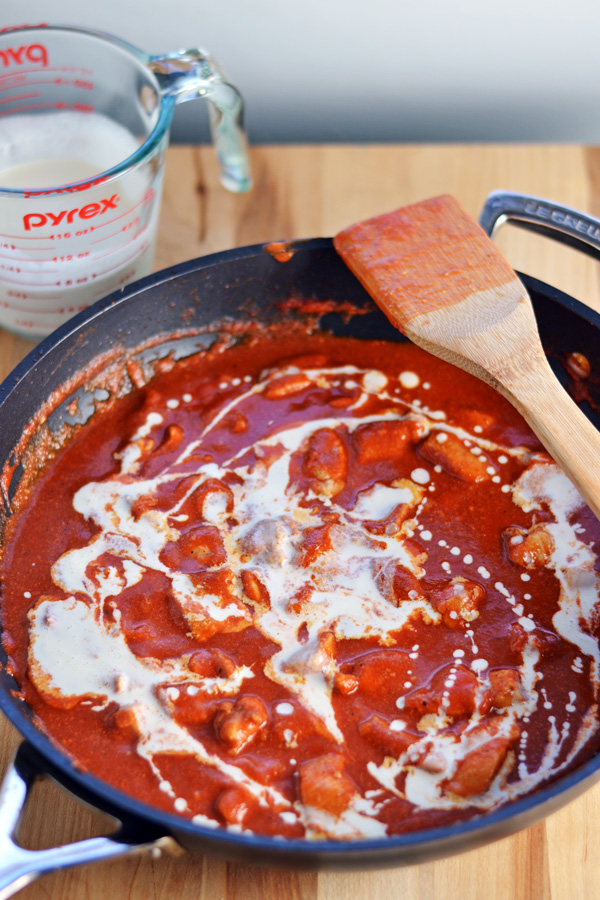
x=308, y=587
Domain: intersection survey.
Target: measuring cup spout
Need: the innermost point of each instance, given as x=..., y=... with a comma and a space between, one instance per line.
x=188, y=74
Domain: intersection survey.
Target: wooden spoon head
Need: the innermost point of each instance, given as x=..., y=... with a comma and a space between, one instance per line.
x=422, y=258
x=441, y=281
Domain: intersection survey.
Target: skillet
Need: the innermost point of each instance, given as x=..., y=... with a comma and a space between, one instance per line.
x=168, y=313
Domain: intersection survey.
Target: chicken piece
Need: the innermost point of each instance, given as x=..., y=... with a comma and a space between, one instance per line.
x=458, y=601
x=214, y=606
x=378, y=442
x=287, y=386
x=405, y=586
x=307, y=658
x=315, y=542
x=531, y=549
x=233, y=805
x=211, y=663
x=267, y=541
x=205, y=545
x=433, y=761
x=452, y=693
x=376, y=730
x=506, y=687
x=126, y=720
x=476, y=771
x=238, y=723
x=236, y=422
x=190, y=709
x=448, y=451
x=391, y=523
x=382, y=672
x=172, y=438
x=404, y=510
x=326, y=462
x=198, y=549
x=398, y=584
x=345, y=683
x=475, y=418
x=518, y=638
x=254, y=589
x=324, y=784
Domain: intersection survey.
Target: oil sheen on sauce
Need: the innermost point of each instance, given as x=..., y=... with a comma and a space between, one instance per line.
x=309, y=587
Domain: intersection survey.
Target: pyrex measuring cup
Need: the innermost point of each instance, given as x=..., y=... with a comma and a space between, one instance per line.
x=84, y=127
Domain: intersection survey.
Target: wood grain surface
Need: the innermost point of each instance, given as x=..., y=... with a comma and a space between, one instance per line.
x=310, y=192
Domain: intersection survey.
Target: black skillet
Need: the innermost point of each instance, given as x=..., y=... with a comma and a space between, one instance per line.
x=250, y=282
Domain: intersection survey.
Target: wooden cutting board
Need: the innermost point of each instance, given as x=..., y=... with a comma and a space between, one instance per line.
x=308, y=192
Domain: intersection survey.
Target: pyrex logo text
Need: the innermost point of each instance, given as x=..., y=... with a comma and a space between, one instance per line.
x=35, y=53
x=66, y=216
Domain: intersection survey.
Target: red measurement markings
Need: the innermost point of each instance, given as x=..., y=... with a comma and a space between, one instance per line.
x=21, y=97
x=20, y=27
x=145, y=199
x=25, y=260
x=122, y=230
x=72, y=69
x=118, y=249
x=22, y=269
x=138, y=252
x=26, y=237
x=35, y=284
x=73, y=282
x=20, y=265
x=80, y=107
x=115, y=285
x=17, y=80
x=42, y=312
x=21, y=81
x=28, y=108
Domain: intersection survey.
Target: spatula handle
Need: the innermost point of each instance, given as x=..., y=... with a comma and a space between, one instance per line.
x=562, y=427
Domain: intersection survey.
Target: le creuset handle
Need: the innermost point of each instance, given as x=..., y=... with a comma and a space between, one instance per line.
x=19, y=866
x=568, y=226
x=188, y=74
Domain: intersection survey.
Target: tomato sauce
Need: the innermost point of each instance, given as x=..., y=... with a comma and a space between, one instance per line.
x=308, y=586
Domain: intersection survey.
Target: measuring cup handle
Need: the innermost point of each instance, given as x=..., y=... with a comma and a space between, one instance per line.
x=188, y=74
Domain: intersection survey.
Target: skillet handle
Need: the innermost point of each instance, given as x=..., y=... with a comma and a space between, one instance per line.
x=19, y=867
x=568, y=226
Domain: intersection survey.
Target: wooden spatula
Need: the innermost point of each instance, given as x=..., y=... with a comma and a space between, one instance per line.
x=443, y=283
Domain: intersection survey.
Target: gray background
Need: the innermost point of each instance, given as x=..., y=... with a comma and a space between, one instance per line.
x=374, y=70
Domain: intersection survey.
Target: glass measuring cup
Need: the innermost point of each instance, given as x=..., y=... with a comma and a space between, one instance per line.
x=84, y=128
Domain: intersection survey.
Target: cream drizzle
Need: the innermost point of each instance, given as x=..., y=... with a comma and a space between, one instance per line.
x=346, y=600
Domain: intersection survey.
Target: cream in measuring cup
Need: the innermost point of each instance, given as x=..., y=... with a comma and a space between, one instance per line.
x=84, y=127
